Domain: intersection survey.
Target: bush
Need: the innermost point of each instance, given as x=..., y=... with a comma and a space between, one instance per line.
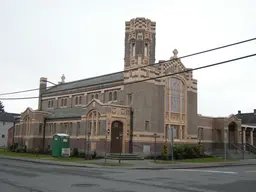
x=165, y=152
x=75, y=152
x=188, y=151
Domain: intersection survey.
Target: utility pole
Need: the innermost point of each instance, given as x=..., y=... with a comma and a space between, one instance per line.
x=106, y=143
x=155, y=135
x=172, y=140
x=120, y=139
x=225, y=144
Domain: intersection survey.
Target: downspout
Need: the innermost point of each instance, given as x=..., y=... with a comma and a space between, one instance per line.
x=13, y=130
x=131, y=132
x=44, y=125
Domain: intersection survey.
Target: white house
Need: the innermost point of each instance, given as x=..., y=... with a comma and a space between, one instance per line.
x=6, y=122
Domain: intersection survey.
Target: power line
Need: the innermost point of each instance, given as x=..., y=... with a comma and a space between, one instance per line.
x=185, y=56
x=161, y=76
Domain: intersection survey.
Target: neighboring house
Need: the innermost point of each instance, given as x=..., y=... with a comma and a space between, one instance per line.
x=248, y=126
x=6, y=121
x=131, y=112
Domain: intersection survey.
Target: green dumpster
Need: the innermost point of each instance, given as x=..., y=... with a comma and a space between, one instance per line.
x=61, y=145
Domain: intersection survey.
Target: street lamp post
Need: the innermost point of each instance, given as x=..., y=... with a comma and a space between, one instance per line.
x=155, y=135
x=120, y=139
x=88, y=148
x=106, y=141
x=225, y=144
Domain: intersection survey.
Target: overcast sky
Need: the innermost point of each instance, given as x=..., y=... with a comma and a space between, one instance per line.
x=84, y=38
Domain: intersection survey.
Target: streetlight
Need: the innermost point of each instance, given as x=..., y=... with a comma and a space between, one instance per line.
x=88, y=149
x=225, y=144
x=155, y=135
x=120, y=139
x=106, y=141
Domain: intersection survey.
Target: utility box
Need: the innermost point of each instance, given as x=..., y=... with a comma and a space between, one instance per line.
x=61, y=145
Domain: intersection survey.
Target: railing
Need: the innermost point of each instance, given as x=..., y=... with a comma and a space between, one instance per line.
x=236, y=147
x=250, y=148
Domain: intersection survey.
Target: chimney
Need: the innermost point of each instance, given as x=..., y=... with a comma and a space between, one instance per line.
x=254, y=111
x=239, y=112
x=42, y=88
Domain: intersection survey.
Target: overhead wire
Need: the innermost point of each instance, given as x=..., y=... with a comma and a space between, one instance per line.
x=182, y=57
x=161, y=76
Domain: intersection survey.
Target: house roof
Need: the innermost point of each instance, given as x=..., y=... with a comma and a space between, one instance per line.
x=247, y=118
x=87, y=82
x=8, y=117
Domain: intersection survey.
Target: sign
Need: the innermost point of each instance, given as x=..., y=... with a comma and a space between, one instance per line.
x=65, y=152
x=146, y=149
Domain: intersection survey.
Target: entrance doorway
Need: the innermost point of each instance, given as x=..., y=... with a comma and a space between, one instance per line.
x=232, y=133
x=116, y=140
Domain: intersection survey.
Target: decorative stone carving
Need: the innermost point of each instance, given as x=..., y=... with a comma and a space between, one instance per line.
x=113, y=111
x=175, y=117
x=175, y=53
x=123, y=112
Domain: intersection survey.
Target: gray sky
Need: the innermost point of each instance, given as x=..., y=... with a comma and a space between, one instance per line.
x=54, y=37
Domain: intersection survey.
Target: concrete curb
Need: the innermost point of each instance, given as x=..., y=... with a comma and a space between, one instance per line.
x=129, y=168
x=51, y=163
x=193, y=167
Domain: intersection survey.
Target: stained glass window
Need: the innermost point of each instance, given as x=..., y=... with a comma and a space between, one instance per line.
x=175, y=95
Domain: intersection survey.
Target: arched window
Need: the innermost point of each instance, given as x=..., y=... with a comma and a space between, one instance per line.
x=76, y=102
x=175, y=95
x=97, y=96
x=80, y=100
x=133, y=48
x=115, y=96
x=65, y=101
x=110, y=96
x=26, y=126
x=146, y=49
x=92, y=96
x=93, y=123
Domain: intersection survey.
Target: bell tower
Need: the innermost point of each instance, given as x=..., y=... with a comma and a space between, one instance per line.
x=140, y=42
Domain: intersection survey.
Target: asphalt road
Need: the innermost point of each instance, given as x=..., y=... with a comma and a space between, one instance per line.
x=18, y=176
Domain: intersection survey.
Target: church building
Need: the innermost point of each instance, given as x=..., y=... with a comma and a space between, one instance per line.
x=126, y=111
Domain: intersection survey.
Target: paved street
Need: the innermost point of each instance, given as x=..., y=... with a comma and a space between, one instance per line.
x=18, y=176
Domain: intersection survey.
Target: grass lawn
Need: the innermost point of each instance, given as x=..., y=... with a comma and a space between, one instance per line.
x=5, y=152
x=199, y=160
x=49, y=157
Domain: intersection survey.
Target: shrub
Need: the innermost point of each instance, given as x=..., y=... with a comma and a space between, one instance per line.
x=165, y=152
x=37, y=150
x=75, y=152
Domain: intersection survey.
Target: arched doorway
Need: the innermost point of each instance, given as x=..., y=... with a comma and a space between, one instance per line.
x=232, y=133
x=116, y=140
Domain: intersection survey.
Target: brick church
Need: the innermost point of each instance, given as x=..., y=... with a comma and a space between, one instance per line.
x=125, y=111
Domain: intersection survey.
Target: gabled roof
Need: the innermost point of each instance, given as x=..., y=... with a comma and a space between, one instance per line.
x=87, y=82
x=8, y=117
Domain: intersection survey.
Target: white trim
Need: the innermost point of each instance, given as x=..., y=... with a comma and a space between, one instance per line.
x=248, y=126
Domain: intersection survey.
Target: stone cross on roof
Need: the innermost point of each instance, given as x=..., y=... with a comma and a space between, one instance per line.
x=63, y=79
x=175, y=54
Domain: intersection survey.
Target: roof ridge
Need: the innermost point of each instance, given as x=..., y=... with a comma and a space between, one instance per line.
x=87, y=79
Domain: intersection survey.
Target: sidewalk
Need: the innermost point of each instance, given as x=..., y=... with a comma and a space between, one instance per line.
x=138, y=164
